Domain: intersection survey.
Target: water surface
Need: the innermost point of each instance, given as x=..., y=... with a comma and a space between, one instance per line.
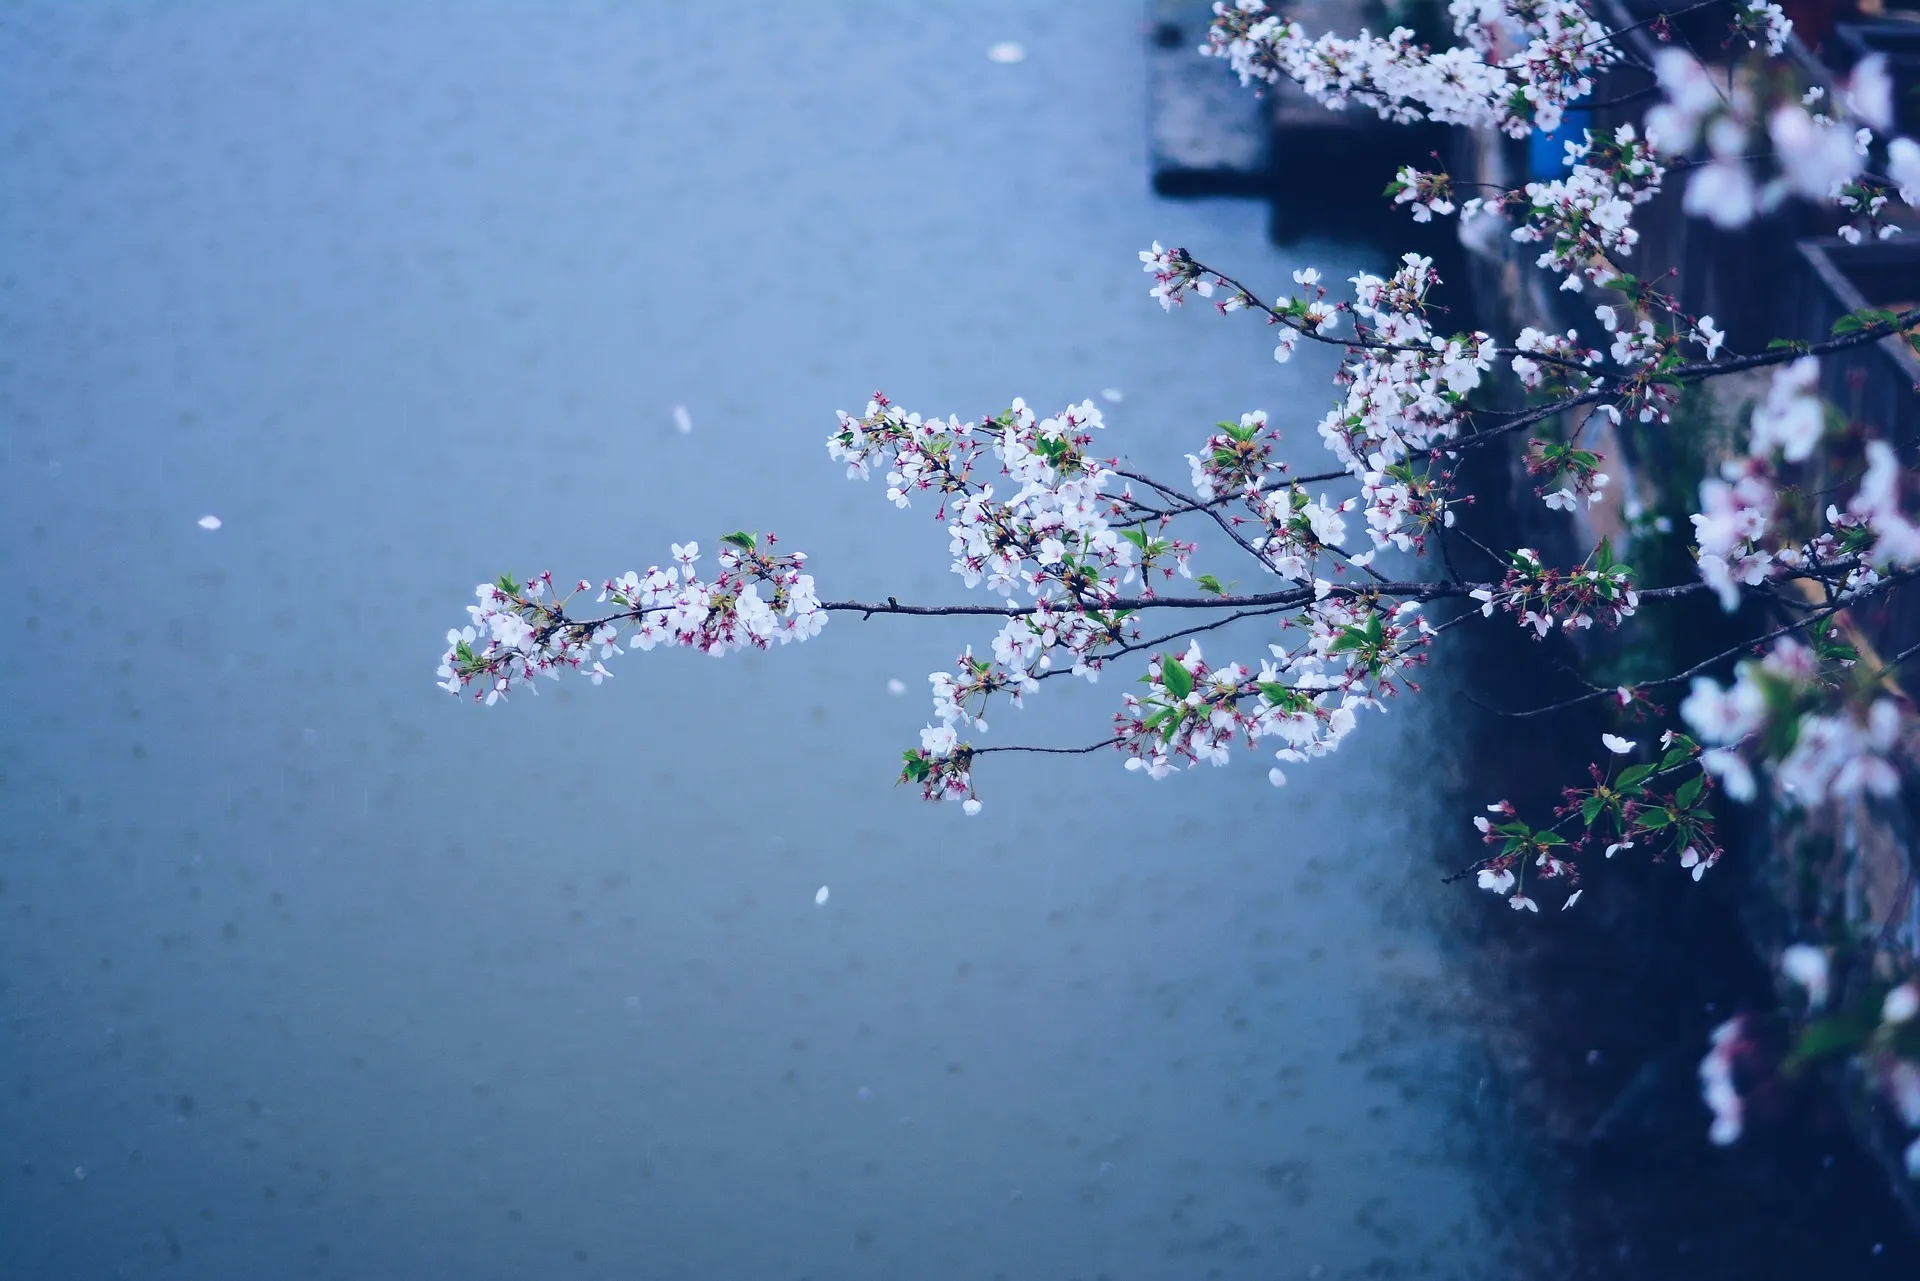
x=309, y=970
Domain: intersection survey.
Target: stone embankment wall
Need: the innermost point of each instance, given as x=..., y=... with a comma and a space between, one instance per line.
x=1841, y=874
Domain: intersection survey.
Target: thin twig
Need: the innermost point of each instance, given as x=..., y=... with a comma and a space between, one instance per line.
x=1799, y=624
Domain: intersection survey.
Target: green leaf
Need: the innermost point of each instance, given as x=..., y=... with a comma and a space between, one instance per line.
x=1053, y=449
x=1633, y=776
x=1825, y=1038
x=1177, y=679
x=1138, y=537
x=917, y=767
x=1902, y=1038
x=1689, y=792
x=1281, y=695
x=1865, y=318
x=506, y=584
x=1653, y=820
x=741, y=539
x=1208, y=583
x=1624, y=282
x=1590, y=808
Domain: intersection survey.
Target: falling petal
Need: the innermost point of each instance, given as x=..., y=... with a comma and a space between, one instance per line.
x=682, y=420
x=1111, y=395
x=208, y=522
x=896, y=687
x=820, y=896
x=1007, y=51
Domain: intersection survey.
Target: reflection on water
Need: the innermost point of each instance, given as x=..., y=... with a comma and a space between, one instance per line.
x=308, y=970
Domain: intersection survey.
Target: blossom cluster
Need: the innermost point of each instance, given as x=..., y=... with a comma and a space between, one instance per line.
x=1544, y=361
x=1424, y=193
x=1519, y=68
x=1877, y=1023
x=1237, y=459
x=1521, y=849
x=1585, y=219
x=1646, y=805
x=1355, y=653
x=1567, y=475
x=1543, y=597
x=1728, y=1048
x=520, y=631
x=1029, y=515
x=1045, y=532
x=1521, y=63
x=1813, y=154
x=1406, y=387
x=1175, y=275
x=1789, y=709
x=1741, y=535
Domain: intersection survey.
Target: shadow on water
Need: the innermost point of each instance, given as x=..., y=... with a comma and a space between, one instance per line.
x=1597, y=1019
x=308, y=971
x=1594, y=1022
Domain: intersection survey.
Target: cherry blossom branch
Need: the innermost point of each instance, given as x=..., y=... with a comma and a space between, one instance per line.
x=1896, y=660
x=1685, y=373
x=1613, y=35
x=1524, y=419
x=1820, y=615
x=1360, y=340
x=1047, y=751
x=1168, y=491
x=1026, y=505
x=1661, y=19
x=1291, y=597
x=1198, y=629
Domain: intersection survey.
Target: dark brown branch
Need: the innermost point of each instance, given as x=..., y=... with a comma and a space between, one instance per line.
x=1821, y=615
x=1047, y=751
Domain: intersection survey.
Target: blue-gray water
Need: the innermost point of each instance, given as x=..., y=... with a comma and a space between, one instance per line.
x=309, y=970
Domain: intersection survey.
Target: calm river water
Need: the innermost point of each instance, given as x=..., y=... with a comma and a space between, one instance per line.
x=309, y=970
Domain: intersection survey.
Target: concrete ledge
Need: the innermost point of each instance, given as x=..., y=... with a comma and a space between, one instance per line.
x=1206, y=134
x=1209, y=135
